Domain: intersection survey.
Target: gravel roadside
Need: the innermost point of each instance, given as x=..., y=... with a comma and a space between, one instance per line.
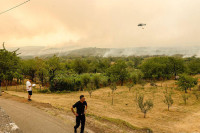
x=6, y=124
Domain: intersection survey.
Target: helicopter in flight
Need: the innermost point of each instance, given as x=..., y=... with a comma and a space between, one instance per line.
x=141, y=25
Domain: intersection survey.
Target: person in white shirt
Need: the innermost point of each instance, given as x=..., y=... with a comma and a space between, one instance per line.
x=29, y=89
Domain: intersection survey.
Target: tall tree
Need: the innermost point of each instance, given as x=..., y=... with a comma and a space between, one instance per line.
x=80, y=66
x=41, y=70
x=8, y=63
x=193, y=65
x=29, y=68
x=118, y=71
x=177, y=65
x=53, y=65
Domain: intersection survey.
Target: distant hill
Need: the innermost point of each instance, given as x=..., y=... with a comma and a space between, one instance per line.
x=30, y=52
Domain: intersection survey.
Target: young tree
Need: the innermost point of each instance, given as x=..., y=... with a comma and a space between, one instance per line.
x=136, y=91
x=113, y=87
x=144, y=106
x=130, y=86
x=185, y=82
x=90, y=88
x=168, y=99
x=185, y=98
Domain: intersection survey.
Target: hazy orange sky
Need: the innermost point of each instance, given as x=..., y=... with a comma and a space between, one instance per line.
x=101, y=23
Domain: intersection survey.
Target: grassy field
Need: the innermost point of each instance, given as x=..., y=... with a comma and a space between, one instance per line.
x=180, y=119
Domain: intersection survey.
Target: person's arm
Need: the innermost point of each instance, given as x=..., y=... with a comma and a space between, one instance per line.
x=86, y=107
x=72, y=109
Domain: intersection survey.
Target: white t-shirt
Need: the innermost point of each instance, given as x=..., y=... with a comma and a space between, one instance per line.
x=28, y=84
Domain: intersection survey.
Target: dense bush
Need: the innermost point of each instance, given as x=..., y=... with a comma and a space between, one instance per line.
x=66, y=83
x=75, y=82
x=160, y=68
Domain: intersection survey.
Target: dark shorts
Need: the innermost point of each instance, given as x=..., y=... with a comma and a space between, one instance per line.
x=30, y=92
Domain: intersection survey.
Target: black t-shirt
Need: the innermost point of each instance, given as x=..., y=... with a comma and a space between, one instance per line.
x=80, y=107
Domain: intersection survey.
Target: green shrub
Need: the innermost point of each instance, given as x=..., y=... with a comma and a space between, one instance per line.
x=85, y=79
x=104, y=81
x=96, y=80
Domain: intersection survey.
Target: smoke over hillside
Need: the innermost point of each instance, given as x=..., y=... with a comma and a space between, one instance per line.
x=107, y=52
x=140, y=51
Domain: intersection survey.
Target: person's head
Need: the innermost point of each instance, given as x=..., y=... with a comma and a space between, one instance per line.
x=82, y=98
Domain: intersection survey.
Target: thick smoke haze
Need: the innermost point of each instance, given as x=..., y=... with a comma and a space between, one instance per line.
x=101, y=23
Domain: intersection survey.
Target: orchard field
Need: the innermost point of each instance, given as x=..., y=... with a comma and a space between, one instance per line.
x=158, y=92
x=180, y=117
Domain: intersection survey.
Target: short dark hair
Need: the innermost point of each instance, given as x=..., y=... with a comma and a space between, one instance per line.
x=81, y=96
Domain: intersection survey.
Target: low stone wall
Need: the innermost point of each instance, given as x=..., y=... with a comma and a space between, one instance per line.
x=6, y=125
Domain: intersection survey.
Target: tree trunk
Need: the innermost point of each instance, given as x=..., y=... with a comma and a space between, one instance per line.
x=112, y=100
x=185, y=90
x=23, y=84
x=144, y=115
x=6, y=85
x=0, y=87
x=168, y=107
x=122, y=82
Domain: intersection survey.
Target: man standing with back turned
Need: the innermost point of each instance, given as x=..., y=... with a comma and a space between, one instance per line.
x=81, y=107
x=29, y=88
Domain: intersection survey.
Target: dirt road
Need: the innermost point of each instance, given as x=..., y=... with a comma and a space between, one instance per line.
x=33, y=120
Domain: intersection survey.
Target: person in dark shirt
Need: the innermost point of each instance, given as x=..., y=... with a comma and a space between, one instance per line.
x=81, y=107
